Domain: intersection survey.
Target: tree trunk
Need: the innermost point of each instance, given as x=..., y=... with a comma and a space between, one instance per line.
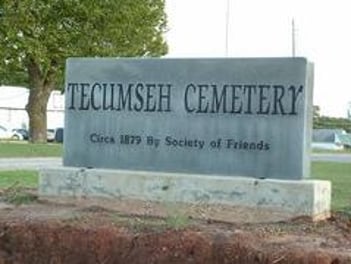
x=40, y=89
x=36, y=109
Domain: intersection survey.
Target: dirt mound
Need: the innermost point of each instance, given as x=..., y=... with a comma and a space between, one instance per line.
x=44, y=232
x=57, y=243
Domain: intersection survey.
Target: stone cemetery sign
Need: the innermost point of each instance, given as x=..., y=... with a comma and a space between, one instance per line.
x=235, y=117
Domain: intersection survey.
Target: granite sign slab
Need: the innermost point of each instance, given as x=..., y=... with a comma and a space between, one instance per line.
x=234, y=117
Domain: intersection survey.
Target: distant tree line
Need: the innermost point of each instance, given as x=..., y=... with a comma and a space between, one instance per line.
x=330, y=122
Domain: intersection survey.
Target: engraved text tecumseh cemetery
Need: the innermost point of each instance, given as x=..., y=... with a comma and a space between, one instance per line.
x=232, y=117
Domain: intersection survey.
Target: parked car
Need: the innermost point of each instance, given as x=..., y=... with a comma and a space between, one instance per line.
x=6, y=133
x=22, y=131
x=59, y=135
x=50, y=135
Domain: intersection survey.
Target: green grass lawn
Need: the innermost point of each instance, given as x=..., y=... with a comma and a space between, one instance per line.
x=338, y=173
x=20, y=178
x=24, y=149
x=14, y=185
x=340, y=176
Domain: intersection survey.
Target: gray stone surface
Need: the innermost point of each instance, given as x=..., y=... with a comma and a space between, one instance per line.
x=292, y=198
x=231, y=117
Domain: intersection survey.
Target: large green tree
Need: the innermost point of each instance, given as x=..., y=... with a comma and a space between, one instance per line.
x=36, y=37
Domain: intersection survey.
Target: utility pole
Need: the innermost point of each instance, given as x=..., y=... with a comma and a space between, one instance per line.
x=293, y=31
x=227, y=16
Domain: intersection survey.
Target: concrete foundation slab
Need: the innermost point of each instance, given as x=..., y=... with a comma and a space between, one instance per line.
x=295, y=198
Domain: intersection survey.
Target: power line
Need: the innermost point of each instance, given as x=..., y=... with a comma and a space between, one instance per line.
x=227, y=16
x=293, y=40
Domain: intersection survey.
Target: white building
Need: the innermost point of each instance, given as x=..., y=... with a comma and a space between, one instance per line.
x=13, y=101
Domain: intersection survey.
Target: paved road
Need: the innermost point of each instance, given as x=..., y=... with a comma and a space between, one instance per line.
x=37, y=163
x=341, y=157
x=28, y=163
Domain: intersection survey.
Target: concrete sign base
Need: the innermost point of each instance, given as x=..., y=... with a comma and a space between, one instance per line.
x=296, y=198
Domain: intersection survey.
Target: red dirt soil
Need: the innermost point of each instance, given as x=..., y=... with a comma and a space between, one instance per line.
x=45, y=232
